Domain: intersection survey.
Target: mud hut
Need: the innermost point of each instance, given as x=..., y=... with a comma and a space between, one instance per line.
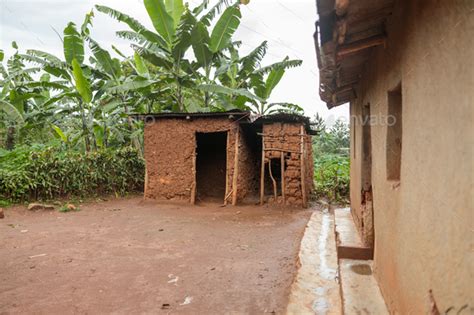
x=228, y=157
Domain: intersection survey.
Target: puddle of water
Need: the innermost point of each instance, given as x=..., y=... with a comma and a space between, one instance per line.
x=362, y=269
x=324, y=270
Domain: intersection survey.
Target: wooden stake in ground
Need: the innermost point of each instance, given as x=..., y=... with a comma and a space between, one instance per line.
x=227, y=171
x=303, y=159
x=262, y=173
x=275, y=193
x=283, y=193
x=193, y=188
x=236, y=168
x=146, y=181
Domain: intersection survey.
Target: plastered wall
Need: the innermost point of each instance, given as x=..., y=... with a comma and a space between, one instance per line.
x=423, y=223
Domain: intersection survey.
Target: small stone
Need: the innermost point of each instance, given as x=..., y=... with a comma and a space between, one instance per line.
x=35, y=206
x=39, y=206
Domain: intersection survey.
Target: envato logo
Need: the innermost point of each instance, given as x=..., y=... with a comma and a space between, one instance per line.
x=367, y=120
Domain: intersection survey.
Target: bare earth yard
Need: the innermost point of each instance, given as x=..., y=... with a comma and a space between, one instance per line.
x=129, y=256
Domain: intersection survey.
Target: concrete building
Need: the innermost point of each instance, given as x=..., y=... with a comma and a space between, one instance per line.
x=228, y=157
x=406, y=68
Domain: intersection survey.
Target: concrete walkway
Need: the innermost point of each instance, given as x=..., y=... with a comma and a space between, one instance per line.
x=326, y=285
x=315, y=289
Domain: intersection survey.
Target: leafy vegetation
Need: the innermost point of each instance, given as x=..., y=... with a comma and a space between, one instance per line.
x=188, y=63
x=47, y=172
x=65, y=125
x=332, y=161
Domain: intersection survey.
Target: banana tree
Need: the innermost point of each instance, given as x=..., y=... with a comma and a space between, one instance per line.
x=244, y=84
x=177, y=29
x=20, y=105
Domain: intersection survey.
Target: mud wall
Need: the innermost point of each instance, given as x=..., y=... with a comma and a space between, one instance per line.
x=360, y=173
x=423, y=222
x=170, y=145
x=249, y=164
x=285, y=138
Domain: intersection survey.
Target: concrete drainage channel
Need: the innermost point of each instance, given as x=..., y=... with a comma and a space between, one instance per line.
x=326, y=285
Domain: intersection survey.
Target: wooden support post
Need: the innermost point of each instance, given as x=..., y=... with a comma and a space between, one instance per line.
x=146, y=182
x=275, y=190
x=303, y=169
x=283, y=194
x=227, y=171
x=236, y=168
x=193, y=188
x=262, y=173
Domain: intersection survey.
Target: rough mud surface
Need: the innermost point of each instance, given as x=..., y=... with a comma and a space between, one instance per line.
x=129, y=256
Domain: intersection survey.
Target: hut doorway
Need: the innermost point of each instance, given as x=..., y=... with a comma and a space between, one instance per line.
x=211, y=165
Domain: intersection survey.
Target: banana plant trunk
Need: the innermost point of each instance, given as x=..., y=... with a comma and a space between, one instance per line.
x=10, y=142
x=85, y=131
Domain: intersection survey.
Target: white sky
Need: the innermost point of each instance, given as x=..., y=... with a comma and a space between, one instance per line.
x=287, y=25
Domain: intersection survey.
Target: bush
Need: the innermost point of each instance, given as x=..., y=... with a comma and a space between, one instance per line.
x=42, y=172
x=332, y=177
x=331, y=160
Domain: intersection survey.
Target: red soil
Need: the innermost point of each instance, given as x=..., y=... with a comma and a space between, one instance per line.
x=129, y=256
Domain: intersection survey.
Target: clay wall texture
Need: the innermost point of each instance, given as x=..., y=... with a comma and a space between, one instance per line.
x=170, y=145
x=423, y=222
x=287, y=137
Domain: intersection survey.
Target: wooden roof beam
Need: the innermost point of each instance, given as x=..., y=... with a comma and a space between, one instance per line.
x=354, y=48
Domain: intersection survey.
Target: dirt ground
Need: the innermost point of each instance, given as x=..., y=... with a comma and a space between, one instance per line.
x=128, y=256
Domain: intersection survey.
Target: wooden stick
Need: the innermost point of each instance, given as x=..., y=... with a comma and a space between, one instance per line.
x=282, y=161
x=146, y=181
x=353, y=48
x=227, y=196
x=277, y=136
x=275, y=194
x=262, y=173
x=282, y=150
x=303, y=169
x=236, y=168
x=227, y=171
x=193, y=188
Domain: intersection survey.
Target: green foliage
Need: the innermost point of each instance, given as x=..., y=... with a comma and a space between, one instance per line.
x=67, y=208
x=73, y=44
x=331, y=175
x=42, y=172
x=161, y=19
x=82, y=84
x=331, y=161
x=81, y=102
x=225, y=28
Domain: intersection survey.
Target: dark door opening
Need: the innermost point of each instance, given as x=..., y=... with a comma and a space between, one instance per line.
x=211, y=162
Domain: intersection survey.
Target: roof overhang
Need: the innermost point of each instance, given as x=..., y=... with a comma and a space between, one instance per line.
x=242, y=117
x=345, y=33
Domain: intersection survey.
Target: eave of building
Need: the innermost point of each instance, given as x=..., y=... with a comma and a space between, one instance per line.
x=345, y=33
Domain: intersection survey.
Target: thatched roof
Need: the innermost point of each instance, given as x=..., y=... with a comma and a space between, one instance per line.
x=345, y=33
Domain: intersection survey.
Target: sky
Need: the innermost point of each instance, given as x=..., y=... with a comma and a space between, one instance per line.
x=287, y=25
